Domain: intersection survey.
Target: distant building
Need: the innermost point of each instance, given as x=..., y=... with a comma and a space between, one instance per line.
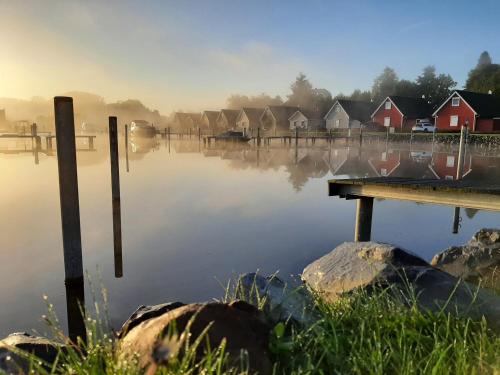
x=227, y=119
x=209, y=120
x=3, y=118
x=249, y=119
x=307, y=120
x=401, y=113
x=276, y=117
x=185, y=121
x=481, y=112
x=348, y=114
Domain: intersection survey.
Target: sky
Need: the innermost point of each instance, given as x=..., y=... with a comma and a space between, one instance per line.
x=191, y=55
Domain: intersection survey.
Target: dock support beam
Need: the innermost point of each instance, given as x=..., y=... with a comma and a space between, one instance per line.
x=68, y=187
x=115, y=194
x=364, y=211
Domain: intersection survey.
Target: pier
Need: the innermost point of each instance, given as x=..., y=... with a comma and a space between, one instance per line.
x=459, y=193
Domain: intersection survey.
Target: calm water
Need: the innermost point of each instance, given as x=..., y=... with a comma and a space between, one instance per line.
x=192, y=216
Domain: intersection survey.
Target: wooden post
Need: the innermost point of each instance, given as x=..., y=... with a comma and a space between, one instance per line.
x=296, y=137
x=364, y=212
x=461, y=152
x=456, y=220
x=360, y=135
x=75, y=304
x=91, y=143
x=115, y=194
x=126, y=146
x=199, y=133
x=68, y=188
x=258, y=136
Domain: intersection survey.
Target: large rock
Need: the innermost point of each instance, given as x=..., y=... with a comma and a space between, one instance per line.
x=281, y=302
x=144, y=313
x=239, y=323
x=359, y=265
x=478, y=261
x=15, y=347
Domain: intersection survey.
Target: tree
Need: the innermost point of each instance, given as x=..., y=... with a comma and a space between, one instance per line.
x=359, y=95
x=385, y=84
x=237, y=101
x=407, y=88
x=485, y=77
x=484, y=60
x=302, y=92
x=434, y=88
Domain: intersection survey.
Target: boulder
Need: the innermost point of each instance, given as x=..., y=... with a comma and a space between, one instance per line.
x=144, y=313
x=478, y=261
x=364, y=265
x=282, y=302
x=239, y=323
x=12, y=362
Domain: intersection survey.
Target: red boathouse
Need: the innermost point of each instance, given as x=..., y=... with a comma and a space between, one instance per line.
x=481, y=112
x=401, y=113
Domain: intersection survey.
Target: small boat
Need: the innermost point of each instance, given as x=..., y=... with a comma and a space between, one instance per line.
x=141, y=128
x=232, y=136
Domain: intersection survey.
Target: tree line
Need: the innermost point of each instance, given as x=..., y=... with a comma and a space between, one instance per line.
x=429, y=85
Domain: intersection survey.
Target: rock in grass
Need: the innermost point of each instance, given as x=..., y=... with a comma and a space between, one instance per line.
x=478, y=261
x=239, y=323
x=12, y=362
x=282, y=302
x=144, y=313
x=365, y=265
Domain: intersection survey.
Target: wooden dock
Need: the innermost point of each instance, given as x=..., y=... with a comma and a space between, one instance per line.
x=458, y=193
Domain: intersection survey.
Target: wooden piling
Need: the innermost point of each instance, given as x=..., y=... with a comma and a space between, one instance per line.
x=461, y=152
x=115, y=194
x=364, y=212
x=68, y=188
x=258, y=136
x=126, y=147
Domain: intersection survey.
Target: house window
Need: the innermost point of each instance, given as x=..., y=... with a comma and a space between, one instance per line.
x=384, y=156
x=383, y=172
x=455, y=102
x=337, y=123
x=448, y=177
x=295, y=123
x=387, y=121
x=388, y=104
x=303, y=124
x=337, y=108
x=454, y=120
x=450, y=161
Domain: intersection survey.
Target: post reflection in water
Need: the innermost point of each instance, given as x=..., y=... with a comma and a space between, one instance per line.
x=75, y=308
x=126, y=147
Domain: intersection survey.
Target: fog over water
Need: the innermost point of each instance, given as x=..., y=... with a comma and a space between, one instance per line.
x=193, y=215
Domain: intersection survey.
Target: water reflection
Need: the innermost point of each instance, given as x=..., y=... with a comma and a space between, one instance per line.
x=190, y=213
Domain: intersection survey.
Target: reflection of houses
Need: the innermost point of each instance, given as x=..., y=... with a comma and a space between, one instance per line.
x=276, y=117
x=227, y=119
x=348, y=114
x=402, y=113
x=306, y=120
x=208, y=120
x=249, y=119
x=480, y=111
x=335, y=158
x=444, y=165
x=185, y=121
x=386, y=162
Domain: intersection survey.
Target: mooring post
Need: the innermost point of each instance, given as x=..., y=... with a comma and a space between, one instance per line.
x=126, y=147
x=68, y=187
x=115, y=194
x=360, y=135
x=199, y=133
x=364, y=211
x=258, y=136
x=296, y=137
x=456, y=220
x=461, y=152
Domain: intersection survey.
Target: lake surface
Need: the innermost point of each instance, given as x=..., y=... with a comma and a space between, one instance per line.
x=194, y=217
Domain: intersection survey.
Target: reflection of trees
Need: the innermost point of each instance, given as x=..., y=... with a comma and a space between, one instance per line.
x=471, y=212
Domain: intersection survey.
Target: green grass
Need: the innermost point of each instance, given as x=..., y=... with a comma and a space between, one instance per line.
x=360, y=334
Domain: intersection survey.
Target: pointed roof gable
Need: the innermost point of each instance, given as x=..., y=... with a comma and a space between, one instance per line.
x=253, y=114
x=280, y=112
x=485, y=105
x=355, y=109
x=211, y=115
x=229, y=114
x=409, y=107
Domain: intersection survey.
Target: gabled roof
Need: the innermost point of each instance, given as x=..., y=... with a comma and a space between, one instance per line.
x=355, y=109
x=281, y=113
x=253, y=114
x=183, y=117
x=229, y=114
x=308, y=114
x=409, y=107
x=485, y=105
x=211, y=115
